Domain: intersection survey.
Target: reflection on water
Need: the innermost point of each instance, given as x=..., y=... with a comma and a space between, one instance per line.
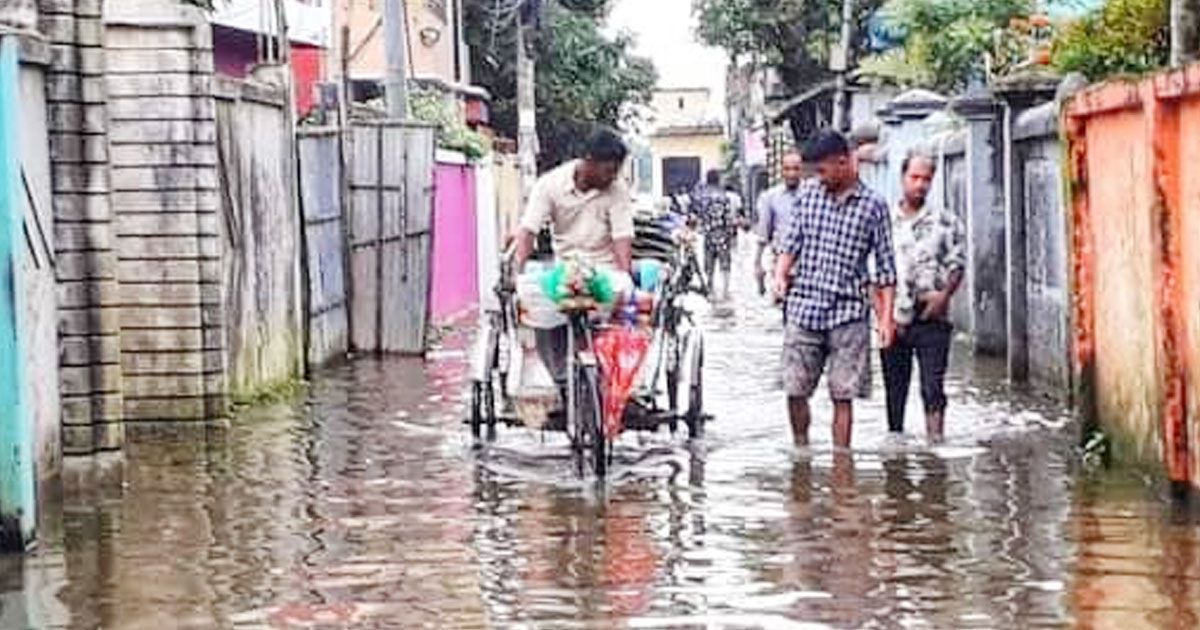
x=365, y=506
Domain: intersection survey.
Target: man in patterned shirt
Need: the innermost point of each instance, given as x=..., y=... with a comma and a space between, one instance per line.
x=930, y=258
x=711, y=206
x=839, y=224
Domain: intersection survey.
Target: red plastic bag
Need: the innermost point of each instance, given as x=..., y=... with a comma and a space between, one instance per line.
x=621, y=352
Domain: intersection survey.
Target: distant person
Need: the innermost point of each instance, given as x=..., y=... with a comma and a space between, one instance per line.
x=711, y=207
x=930, y=258
x=775, y=208
x=823, y=276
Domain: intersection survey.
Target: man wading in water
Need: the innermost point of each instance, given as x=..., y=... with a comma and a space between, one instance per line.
x=838, y=225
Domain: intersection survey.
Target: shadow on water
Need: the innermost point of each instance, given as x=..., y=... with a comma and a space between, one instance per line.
x=364, y=505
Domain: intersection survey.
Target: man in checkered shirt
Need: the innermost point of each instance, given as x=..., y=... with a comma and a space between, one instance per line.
x=822, y=273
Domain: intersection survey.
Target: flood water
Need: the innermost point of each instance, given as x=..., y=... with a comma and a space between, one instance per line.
x=364, y=506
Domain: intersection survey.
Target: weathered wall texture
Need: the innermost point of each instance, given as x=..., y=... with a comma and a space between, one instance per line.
x=39, y=283
x=165, y=198
x=261, y=256
x=89, y=312
x=1133, y=149
x=1039, y=326
x=390, y=232
x=321, y=197
x=20, y=15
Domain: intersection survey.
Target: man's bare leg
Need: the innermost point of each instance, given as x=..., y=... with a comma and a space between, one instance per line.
x=800, y=416
x=843, y=422
x=935, y=426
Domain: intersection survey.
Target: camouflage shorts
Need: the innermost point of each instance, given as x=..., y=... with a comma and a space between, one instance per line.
x=846, y=351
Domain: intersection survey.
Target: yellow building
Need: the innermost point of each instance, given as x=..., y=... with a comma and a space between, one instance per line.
x=686, y=142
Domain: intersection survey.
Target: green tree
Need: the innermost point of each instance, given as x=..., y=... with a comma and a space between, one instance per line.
x=585, y=79
x=947, y=42
x=1121, y=37
x=794, y=36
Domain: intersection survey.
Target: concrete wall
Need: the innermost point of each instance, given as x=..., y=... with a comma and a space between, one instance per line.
x=680, y=106
x=1039, y=326
x=455, y=242
x=20, y=15
x=365, y=20
x=40, y=286
x=1135, y=274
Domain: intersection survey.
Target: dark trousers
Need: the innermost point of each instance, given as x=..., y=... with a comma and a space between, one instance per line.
x=929, y=343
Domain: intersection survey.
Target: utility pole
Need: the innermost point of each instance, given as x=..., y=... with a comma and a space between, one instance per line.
x=395, y=32
x=840, y=63
x=1185, y=31
x=527, y=140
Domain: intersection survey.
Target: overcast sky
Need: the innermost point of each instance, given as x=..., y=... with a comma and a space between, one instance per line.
x=664, y=33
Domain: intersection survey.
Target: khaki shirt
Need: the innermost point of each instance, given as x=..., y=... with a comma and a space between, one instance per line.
x=583, y=224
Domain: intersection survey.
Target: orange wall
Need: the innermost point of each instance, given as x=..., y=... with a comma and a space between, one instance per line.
x=1135, y=212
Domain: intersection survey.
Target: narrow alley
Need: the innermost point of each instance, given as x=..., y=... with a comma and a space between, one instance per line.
x=364, y=505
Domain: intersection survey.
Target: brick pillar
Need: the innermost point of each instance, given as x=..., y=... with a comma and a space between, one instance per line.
x=90, y=350
x=167, y=211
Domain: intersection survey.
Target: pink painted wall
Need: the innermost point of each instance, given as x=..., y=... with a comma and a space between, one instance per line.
x=455, y=248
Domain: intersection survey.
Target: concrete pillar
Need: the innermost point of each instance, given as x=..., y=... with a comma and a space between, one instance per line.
x=1018, y=94
x=903, y=129
x=987, y=244
x=89, y=332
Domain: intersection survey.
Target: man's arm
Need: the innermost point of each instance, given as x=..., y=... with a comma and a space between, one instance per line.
x=937, y=304
x=783, y=275
x=537, y=212
x=623, y=254
x=620, y=218
x=885, y=275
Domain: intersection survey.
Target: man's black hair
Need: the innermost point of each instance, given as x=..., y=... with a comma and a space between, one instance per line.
x=713, y=177
x=916, y=154
x=825, y=144
x=606, y=146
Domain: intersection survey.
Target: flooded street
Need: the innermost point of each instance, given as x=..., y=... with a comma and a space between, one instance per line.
x=365, y=506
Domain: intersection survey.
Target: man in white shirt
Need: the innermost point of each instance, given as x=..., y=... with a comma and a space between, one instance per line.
x=588, y=207
x=590, y=212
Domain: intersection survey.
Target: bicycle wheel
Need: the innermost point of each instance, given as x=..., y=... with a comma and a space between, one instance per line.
x=695, y=410
x=591, y=420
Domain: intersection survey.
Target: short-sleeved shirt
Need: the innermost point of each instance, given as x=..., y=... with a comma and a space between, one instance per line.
x=584, y=224
x=832, y=240
x=712, y=207
x=775, y=207
x=930, y=250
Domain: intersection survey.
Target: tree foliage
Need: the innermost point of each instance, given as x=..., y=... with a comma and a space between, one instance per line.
x=794, y=36
x=585, y=79
x=948, y=42
x=1121, y=37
